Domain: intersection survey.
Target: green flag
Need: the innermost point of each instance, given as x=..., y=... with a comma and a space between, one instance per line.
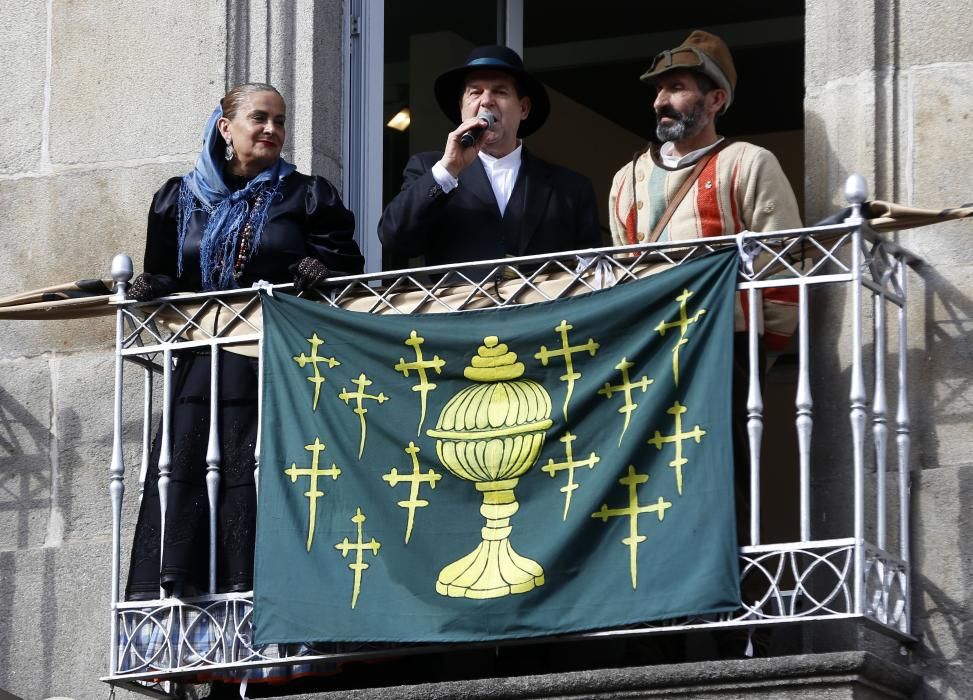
x=502, y=473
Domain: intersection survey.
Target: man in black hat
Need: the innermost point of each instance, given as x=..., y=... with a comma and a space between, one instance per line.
x=492, y=198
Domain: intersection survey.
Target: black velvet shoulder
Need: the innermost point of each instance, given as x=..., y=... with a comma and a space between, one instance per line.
x=331, y=228
x=161, y=238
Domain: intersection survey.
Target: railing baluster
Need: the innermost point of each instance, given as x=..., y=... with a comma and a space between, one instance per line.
x=855, y=192
x=213, y=459
x=260, y=415
x=880, y=418
x=755, y=415
x=146, y=430
x=165, y=452
x=804, y=404
x=121, y=272
x=903, y=424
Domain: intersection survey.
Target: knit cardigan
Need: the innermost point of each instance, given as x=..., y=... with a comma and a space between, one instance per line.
x=742, y=188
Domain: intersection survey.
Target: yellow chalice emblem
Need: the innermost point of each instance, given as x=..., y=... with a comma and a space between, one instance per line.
x=491, y=433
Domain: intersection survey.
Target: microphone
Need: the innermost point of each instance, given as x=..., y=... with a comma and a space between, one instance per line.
x=471, y=136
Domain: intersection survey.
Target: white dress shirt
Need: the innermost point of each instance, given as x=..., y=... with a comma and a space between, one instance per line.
x=501, y=172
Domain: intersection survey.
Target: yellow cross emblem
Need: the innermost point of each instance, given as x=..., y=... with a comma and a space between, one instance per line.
x=415, y=479
x=359, y=547
x=313, y=493
x=632, y=512
x=682, y=323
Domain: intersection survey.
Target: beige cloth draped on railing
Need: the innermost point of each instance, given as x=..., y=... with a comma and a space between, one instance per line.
x=214, y=322
x=62, y=301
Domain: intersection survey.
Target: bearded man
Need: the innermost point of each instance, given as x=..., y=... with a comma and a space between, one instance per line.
x=697, y=184
x=739, y=187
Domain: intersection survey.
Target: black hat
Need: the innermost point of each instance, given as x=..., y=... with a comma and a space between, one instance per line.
x=449, y=86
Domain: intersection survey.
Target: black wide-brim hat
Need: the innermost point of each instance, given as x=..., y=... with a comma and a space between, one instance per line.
x=449, y=86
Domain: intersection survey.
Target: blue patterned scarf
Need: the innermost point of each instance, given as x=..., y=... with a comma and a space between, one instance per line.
x=204, y=189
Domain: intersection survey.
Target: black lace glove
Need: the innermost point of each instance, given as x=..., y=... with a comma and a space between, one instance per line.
x=309, y=273
x=148, y=286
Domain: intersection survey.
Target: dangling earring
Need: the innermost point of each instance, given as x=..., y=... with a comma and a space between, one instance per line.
x=229, y=151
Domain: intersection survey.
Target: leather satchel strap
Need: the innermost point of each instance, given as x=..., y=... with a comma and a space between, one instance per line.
x=683, y=191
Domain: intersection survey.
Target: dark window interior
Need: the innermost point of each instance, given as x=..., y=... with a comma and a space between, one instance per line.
x=592, y=54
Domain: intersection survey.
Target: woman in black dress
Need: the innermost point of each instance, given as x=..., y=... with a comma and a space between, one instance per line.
x=242, y=215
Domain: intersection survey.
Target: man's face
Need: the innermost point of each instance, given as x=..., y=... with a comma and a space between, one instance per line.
x=681, y=108
x=495, y=92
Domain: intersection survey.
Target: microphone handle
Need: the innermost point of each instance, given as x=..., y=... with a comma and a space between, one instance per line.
x=470, y=137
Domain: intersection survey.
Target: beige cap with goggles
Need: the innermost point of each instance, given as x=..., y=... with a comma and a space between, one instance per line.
x=702, y=52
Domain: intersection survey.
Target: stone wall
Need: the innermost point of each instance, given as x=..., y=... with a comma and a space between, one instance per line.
x=105, y=101
x=887, y=97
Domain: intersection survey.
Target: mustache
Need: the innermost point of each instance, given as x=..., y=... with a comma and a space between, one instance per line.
x=668, y=111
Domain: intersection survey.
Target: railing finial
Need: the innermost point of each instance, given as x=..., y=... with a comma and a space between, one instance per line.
x=121, y=272
x=121, y=268
x=856, y=189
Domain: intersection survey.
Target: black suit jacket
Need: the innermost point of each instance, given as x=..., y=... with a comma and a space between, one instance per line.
x=550, y=210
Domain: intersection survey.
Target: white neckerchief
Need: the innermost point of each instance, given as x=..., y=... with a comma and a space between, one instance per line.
x=673, y=161
x=502, y=173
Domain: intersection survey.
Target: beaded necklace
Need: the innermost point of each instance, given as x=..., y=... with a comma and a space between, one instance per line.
x=243, y=254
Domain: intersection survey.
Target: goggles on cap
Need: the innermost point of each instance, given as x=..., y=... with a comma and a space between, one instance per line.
x=689, y=58
x=676, y=57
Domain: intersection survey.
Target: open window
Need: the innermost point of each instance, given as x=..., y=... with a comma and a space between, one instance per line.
x=590, y=62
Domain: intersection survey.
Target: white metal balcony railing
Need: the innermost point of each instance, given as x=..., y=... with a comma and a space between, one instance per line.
x=851, y=577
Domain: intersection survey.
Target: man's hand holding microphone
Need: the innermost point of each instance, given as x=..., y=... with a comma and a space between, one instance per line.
x=463, y=144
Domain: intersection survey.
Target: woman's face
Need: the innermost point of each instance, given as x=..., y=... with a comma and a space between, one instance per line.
x=256, y=133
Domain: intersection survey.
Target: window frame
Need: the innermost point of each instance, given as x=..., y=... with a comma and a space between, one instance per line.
x=364, y=76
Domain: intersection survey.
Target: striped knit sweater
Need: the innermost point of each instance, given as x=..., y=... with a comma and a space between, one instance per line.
x=743, y=188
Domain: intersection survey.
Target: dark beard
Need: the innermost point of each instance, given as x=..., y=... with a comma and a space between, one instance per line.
x=686, y=124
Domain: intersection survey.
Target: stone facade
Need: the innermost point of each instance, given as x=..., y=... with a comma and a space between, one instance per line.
x=885, y=85
x=835, y=676
x=104, y=101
